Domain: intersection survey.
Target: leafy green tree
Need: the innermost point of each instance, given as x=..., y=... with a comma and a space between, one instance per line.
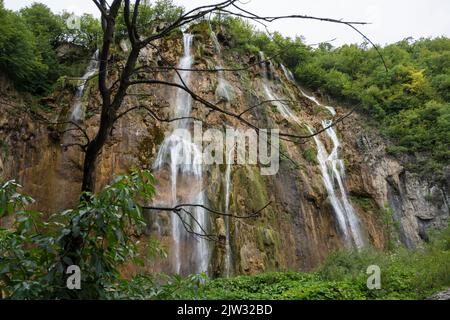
x=88, y=36
x=47, y=28
x=33, y=254
x=441, y=83
x=150, y=16
x=20, y=58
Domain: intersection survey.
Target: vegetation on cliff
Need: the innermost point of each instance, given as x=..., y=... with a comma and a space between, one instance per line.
x=32, y=266
x=29, y=40
x=408, y=98
x=409, y=101
x=405, y=275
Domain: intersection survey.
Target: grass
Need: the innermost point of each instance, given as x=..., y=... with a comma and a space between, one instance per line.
x=363, y=202
x=405, y=275
x=310, y=155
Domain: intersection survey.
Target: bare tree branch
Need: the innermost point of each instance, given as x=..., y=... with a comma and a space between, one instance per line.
x=262, y=103
x=214, y=107
x=180, y=207
x=190, y=228
x=154, y=115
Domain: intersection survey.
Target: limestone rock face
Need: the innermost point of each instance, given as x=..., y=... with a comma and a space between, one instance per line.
x=417, y=205
x=298, y=229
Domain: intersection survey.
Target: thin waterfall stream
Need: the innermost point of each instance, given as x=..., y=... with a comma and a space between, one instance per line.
x=267, y=73
x=332, y=169
x=78, y=111
x=225, y=91
x=228, y=263
x=184, y=158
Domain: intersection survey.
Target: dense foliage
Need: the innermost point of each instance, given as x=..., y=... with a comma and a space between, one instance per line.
x=32, y=262
x=409, y=101
x=33, y=255
x=29, y=40
x=404, y=275
x=151, y=16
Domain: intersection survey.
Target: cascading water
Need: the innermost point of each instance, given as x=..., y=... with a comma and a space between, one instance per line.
x=287, y=73
x=224, y=90
x=339, y=175
x=333, y=172
x=184, y=158
x=332, y=169
x=78, y=111
x=268, y=67
x=216, y=43
x=282, y=108
x=311, y=98
x=228, y=255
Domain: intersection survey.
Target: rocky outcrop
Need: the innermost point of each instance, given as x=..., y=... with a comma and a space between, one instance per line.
x=298, y=229
x=444, y=295
x=417, y=204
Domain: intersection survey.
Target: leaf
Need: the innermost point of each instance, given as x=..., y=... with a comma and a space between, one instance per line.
x=68, y=260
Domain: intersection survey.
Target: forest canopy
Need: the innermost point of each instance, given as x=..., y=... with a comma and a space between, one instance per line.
x=408, y=98
x=29, y=40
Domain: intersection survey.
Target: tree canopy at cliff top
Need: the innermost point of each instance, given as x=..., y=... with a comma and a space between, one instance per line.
x=409, y=102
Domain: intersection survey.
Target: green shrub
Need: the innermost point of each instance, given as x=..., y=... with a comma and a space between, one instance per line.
x=34, y=255
x=310, y=155
x=405, y=274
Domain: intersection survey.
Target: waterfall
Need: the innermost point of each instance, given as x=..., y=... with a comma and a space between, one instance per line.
x=333, y=172
x=332, y=169
x=287, y=73
x=311, y=98
x=184, y=157
x=223, y=90
x=282, y=108
x=338, y=169
x=216, y=43
x=228, y=254
x=78, y=111
x=269, y=69
x=322, y=158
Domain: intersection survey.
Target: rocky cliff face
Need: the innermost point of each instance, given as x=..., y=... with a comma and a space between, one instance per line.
x=298, y=229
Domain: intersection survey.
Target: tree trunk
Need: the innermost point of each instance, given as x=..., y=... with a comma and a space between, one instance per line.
x=94, y=149
x=108, y=116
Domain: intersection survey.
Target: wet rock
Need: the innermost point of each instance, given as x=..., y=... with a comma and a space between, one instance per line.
x=298, y=229
x=444, y=295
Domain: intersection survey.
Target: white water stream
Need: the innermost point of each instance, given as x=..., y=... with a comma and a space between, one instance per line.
x=78, y=111
x=184, y=158
x=228, y=254
x=225, y=91
x=333, y=173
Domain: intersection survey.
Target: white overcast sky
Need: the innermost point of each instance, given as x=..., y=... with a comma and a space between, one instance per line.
x=392, y=20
